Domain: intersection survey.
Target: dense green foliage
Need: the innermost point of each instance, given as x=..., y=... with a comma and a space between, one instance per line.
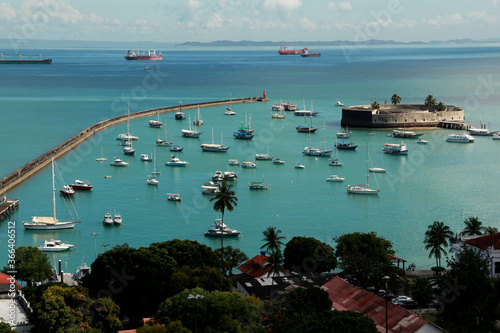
x=395, y=99
x=438, y=237
x=308, y=255
x=422, y=292
x=430, y=102
x=375, y=105
x=5, y=328
x=473, y=226
x=364, y=256
x=231, y=258
x=273, y=239
x=208, y=278
x=31, y=265
x=441, y=106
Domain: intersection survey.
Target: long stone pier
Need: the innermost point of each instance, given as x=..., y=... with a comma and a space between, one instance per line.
x=31, y=168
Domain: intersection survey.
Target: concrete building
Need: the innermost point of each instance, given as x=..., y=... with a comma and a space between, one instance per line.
x=14, y=308
x=488, y=246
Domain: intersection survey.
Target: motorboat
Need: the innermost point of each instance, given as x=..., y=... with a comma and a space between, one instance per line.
x=335, y=178
x=146, y=158
x=176, y=148
x=179, y=115
x=108, y=219
x=406, y=134
x=210, y=183
x=259, y=186
x=377, y=170
x=422, y=141
x=299, y=166
x=339, y=103
x=248, y=165
x=496, y=137
x=151, y=180
x=462, y=138
x=118, y=162
x=54, y=246
x=81, y=185
x=234, y=162
x=67, y=191
x=218, y=176
x=82, y=271
x=175, y=161
x=395, y=148
x=220, y=229
x=230, y=175
x=117, y=219
x=210, y=190
x=334, y=162
x=278, y=107
x=173, y=197
x=278, y=161
x=229, y=112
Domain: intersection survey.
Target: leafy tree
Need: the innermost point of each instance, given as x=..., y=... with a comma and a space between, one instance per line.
x=224, y=199
x=208, y=278
x=215, y=312
x=364, y=256
x=273, y=239
x=437, y=237
x=375, y=105
x=467, y=295
x=189, y=253
x=310, y=255
x=231, y=258
x=105, y=315
x=473, y=226
x=490, y=230
x=31, y=265
x=395, y=99
x=440, y=106
x=430, y=102
x=5, y=328
x=422, y=291
x=173, y=327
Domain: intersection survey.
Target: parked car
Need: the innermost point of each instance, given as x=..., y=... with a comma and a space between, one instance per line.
x=401, y=300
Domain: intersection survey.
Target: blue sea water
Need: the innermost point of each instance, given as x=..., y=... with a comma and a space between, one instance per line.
x=41, y=106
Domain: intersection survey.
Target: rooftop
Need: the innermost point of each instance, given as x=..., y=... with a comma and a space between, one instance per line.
x=484, y=242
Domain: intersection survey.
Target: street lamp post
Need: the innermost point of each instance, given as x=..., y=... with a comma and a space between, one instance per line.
x=95, y=234
x=386, y=279
x=190, y=297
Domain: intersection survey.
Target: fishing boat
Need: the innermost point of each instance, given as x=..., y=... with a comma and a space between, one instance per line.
x=144, y=55
x=233, y=162
x=363, y=188
x=212, y=147
x=81, y=185
x=54, y=246
x=406, y=134
x=264, y=157
x=220, y=229
x=146, y=158
x=102, y=158
x=49, y=222
x=395, y=148
x=278, y=161
x=191, y=133
x=461, y=138
x=289, y=107
x=127, y=136
x=335, y=178
x=118, y=162
x=156, y=123
x=175, y=161
x=117, y=219
x=248, y=165
x=173, y=197
x=198, y=121
x=108, y=219
x=66, y=191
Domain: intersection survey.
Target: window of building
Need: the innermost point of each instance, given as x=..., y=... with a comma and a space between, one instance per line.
x=497, y=267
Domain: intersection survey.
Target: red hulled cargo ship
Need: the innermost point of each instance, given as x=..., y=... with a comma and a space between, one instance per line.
x=145, y=55
x=285, y=51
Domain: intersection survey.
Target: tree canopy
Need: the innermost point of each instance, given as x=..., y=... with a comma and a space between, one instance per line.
x=273, y=239
x=364, y=256
x=31, y=264
x=309, y=255
x=231, y=258
x=473, y=226
x=430, y=102
x=395, y=99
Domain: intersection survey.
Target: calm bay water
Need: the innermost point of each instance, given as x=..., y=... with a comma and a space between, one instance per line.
x=42, y=106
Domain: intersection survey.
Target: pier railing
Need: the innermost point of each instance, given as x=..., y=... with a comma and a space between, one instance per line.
x=31, y=168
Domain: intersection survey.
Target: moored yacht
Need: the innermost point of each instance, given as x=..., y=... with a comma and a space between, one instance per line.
x=175, y=161
x=462, y=138
x=54, y=246
x=108, y=219
x=406, y=134
x=118, y=162
x=67, y=191
x=395, y=148
x=221, y=230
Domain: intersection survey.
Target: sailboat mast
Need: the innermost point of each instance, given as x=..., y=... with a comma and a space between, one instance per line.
x=367, y=169
x=53, y=189
x=128, y=119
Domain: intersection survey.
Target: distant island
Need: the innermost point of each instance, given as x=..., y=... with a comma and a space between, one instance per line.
x=370, y=42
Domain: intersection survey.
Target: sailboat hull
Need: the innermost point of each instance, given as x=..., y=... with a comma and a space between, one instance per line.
x=43, y=226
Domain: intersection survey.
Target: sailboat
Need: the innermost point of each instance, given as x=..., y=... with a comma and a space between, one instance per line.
x=213, y=147
x=363, y=188
x=127, y=136
x=244, y=132
x=129, y=150
x=264, y=157
x=156, y=122
x=335, y=161
x=49, y=222
x=311, y=151
x=154, y=167
x=191, y=133
x=306, y=128
x=161, y=142
x=102, y=158
x=229, y=110
x=198, y=121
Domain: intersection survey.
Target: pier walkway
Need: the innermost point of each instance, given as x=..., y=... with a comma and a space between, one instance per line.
x=31, y=168
x=7, y=206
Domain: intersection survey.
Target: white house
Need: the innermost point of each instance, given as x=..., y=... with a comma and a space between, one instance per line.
x=488, y=246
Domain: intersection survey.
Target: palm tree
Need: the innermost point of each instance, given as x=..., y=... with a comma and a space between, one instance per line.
x=437, y=237
x=490, y=230
x=275, y=260
x=473, y=226
x=375, y=105
x=440, y=106
x=395, y=99
x=273, y=240
x=224, y=199
x=430, y=102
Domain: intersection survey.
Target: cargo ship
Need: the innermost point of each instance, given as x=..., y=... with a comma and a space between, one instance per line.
x=305, y=53
x=25, y=60
x=285, y=51
x=145, y=55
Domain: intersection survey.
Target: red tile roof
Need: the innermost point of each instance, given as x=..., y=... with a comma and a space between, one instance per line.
x=7, y=279
x=345, y=296
x=485, y=242
x=256, y=267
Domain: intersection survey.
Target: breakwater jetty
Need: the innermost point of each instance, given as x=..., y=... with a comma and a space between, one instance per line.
x=31, y=168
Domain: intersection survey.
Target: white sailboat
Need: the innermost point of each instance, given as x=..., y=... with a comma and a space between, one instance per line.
x=191, y=133
x=198, y=121
x=229, y=110
x=213, y=147
x=160, y=142
x=49, y=222
x=156, y=123
x=363, y=188
x=335, y=161
x=311, y=151
x=127, y=136
x=154, y=167
x=102, y=158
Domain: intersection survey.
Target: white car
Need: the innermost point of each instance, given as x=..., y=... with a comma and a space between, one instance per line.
x=402, y=299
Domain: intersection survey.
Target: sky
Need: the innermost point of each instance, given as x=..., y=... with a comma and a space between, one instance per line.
x=177, y=21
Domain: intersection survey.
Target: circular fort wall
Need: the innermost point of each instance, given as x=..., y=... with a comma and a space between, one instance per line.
x=396, y=116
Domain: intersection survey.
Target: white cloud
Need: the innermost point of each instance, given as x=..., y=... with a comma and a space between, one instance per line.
x=215, y=21
x=7, y=12
x=281, y=6
x=450, y=19
x=341, y=6
x=483, y=17
x=308, y=24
